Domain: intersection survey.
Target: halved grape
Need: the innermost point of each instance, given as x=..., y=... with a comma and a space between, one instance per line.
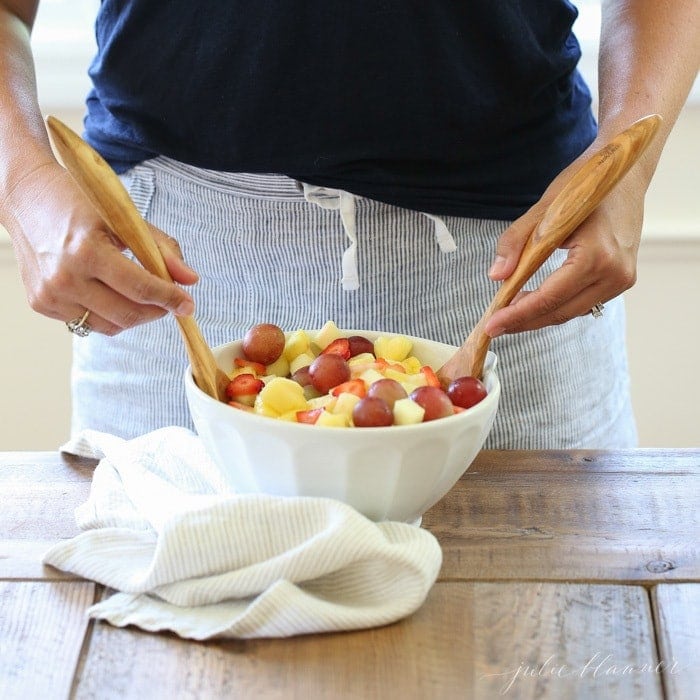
x=327, y=371
x=434, y=401
x=387, y=389
x=264, y=343
x=302, y=376
x=372, y=412
x=360, y=344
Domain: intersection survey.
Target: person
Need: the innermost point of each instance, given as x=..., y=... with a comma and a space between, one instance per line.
x=377, y=164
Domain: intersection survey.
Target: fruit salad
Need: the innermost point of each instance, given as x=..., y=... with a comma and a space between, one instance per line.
x=330, y=379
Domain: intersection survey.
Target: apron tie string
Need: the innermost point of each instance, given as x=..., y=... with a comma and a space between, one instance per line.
x=344, y=202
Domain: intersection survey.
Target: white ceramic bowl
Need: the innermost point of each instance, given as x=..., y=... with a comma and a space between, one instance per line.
x=387, y=473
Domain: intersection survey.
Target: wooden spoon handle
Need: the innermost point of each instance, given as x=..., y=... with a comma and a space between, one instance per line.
x=112, y=202
x=578, y=198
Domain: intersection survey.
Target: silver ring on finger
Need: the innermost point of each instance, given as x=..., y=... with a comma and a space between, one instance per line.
x=597, y=310
x=79, y=326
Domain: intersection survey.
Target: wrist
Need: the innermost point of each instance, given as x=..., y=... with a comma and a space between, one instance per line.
x=22, y=163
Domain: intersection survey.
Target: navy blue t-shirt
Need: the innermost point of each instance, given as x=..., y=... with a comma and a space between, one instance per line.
x=466, y=108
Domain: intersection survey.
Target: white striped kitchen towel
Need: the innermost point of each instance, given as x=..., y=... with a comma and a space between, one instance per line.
x=184, y=553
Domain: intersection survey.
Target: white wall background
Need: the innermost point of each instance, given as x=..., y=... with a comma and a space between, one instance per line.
x=663, y=330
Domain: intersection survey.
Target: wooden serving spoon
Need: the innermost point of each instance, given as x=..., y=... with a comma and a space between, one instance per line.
x=112, y=202
x=579, y=197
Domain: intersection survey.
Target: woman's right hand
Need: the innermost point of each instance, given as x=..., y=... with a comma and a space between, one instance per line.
x=70, y=262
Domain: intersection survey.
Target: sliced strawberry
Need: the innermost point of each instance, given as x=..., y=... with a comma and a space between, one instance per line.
x=340, y=346
x=258, y=367
x=309, y=416
x=244, y=385
x=430, y=377
x=352, y=386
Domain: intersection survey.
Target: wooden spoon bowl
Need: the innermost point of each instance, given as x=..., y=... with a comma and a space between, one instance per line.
x=112, y=202
x=579, y=197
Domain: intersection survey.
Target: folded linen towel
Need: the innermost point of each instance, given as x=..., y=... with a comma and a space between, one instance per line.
x=164, y=529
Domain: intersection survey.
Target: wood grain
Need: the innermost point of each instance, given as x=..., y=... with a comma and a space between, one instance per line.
x=423, y=657
x=42, y=627
x=630, y=515
x=39, y=495
x=514, y=614
x=544, y=640
x=39, y=492
x=469, y=640
x=586, y=516
x=677, y=615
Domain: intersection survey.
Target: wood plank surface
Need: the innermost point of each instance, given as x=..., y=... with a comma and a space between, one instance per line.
x=21, y=560
x=422, y=657
x=629, y=516
x=39, y=492
x=605, y=516
x=469, y=640
x=677, y=614
x=42, y=628
x=547, y=640
x=528, y=604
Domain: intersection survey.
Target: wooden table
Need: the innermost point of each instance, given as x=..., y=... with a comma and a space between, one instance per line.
x=566, y=575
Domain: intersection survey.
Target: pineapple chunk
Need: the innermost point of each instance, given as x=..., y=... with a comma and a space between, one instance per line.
x=302, y=360
x=413, y=381
x=407, y=412
x=344, y=404
x=357, y=369
x=371, y=375
x=395, y=374
x=283, y=395
x=327, y=334
x=279, y=368
x=326, y=401
x=262, y=409
x=395, y=349
x=412, y=364
x=297, y=343
x=290, y=416
x=332, y=420
x=363, y=358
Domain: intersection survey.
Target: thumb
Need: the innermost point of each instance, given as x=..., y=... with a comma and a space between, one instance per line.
x=510, y=245
x=179, y=270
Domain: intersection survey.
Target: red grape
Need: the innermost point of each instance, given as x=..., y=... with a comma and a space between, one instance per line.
x=388, y=389
x=359, y=344
x=264, y=343
x=434, y=401
x=372, y=412
x=466, y=391
x=327, y=371
x=302, y=376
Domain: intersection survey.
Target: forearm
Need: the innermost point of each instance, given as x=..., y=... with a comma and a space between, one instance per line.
x=649, y=58
x=24, y=144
